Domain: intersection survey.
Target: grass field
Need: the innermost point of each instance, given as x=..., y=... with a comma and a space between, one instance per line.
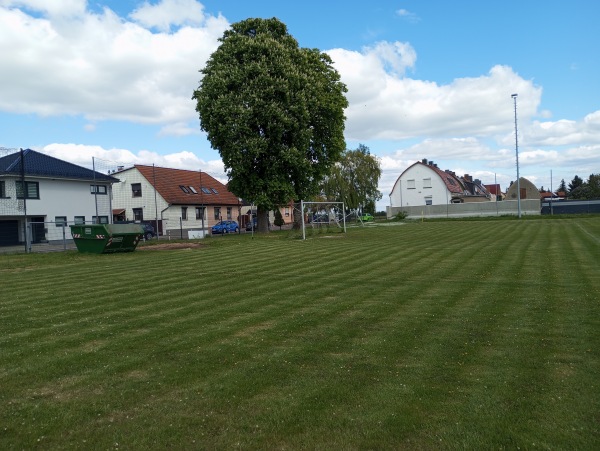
x=440, y=335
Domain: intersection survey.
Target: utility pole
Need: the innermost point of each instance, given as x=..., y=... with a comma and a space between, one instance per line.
x=514, y=97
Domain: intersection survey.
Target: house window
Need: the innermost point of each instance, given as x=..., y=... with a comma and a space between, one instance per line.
x=98, y=189
x=205, y=190
x=192, y=189
x=428, y=200
x=100, y=220
x=287, y=211
x=79, y=219
x=136, y=190
x=228, y=212
x=184, y=189
x=217, y=213
x=200, y=212
x=214, y=191
x=410, y=184
x=427, y=183
x=32, y=190
x=60, y=221
x=184, y=213
x=138, y=214
x=2, y=189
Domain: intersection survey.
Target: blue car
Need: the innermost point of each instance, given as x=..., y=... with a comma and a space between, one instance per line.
x=225, y=227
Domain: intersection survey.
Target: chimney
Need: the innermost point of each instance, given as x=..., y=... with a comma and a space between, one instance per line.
x=424, y=161
x=468, y=178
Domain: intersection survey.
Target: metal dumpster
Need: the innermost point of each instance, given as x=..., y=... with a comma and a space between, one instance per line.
x=106, y=238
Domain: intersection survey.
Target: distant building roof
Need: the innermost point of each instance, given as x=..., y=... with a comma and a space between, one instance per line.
x=41, y=165
x=494, y=189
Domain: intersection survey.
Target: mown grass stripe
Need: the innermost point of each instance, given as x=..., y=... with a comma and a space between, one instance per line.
x=442, y=334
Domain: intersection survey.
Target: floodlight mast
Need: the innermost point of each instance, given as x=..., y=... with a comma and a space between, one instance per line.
x=514, y=97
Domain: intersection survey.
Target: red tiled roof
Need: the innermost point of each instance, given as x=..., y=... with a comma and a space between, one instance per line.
x=168, y=183
x=452, y=182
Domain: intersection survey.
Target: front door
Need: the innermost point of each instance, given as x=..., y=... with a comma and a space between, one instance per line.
x=38, y=230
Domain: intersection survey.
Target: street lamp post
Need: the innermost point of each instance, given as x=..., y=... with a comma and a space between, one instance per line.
x=514, y=97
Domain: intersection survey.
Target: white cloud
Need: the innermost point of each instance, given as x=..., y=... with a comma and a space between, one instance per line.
x=55, y=8
x=410, y=16
x=385, y=105
x=563, y=132
x=83, y=155
x=100, y=65
x=179, y=129
x=169, y=12
x=396, y=57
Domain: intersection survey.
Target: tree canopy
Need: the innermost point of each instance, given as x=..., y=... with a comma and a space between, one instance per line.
x=587, y=190
x=575, y=183
x=273, y=110
x=354, y=179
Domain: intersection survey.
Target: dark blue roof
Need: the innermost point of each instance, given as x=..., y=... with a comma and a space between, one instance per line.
x=41, y=165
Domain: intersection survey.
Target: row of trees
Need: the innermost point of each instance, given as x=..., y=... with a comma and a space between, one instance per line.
x=580, y=189
x=275, y=113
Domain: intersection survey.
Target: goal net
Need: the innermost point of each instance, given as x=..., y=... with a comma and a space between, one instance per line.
x=321, y=217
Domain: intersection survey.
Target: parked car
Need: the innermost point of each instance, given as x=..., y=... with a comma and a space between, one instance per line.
x=366, y=217
x=252, y=224
x=149, y=231
x=225, y=227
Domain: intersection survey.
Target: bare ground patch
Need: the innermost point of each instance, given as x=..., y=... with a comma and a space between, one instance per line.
x=171, y=246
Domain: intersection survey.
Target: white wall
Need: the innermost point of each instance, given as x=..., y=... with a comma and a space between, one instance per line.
x=58, y=197
x=68, y=198
x=123, y=197
x=529, y=207
x=403, y=196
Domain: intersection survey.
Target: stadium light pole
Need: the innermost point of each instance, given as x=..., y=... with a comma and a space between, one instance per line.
x=514, y=97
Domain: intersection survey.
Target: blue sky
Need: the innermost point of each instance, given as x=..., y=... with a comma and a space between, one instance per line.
x=113, y=79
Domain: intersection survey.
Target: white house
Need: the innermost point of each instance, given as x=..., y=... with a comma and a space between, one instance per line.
x=41, y=195
x=176, y=200
x=423, y=183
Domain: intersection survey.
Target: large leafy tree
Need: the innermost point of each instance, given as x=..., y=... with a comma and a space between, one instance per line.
x=274, y=111
x=354, y=179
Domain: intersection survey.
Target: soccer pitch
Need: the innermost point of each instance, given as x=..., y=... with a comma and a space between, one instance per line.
x=428, y=335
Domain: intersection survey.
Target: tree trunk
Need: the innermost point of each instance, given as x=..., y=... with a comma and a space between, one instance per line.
x=262, y=216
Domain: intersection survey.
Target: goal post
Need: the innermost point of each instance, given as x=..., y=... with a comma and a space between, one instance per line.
x=322, y=213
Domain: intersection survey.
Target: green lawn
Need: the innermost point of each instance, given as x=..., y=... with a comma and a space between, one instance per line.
x=451, y=335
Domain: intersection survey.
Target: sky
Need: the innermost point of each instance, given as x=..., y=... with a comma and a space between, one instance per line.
x=112, y=81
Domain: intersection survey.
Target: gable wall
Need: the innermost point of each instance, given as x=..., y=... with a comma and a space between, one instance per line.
x=403, y=196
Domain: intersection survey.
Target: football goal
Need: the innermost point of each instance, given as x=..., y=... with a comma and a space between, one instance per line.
x=322, y=214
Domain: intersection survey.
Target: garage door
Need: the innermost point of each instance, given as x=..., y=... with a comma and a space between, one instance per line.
x=9, y=233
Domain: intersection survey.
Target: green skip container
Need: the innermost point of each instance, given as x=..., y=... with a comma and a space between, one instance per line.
x=106, y=238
